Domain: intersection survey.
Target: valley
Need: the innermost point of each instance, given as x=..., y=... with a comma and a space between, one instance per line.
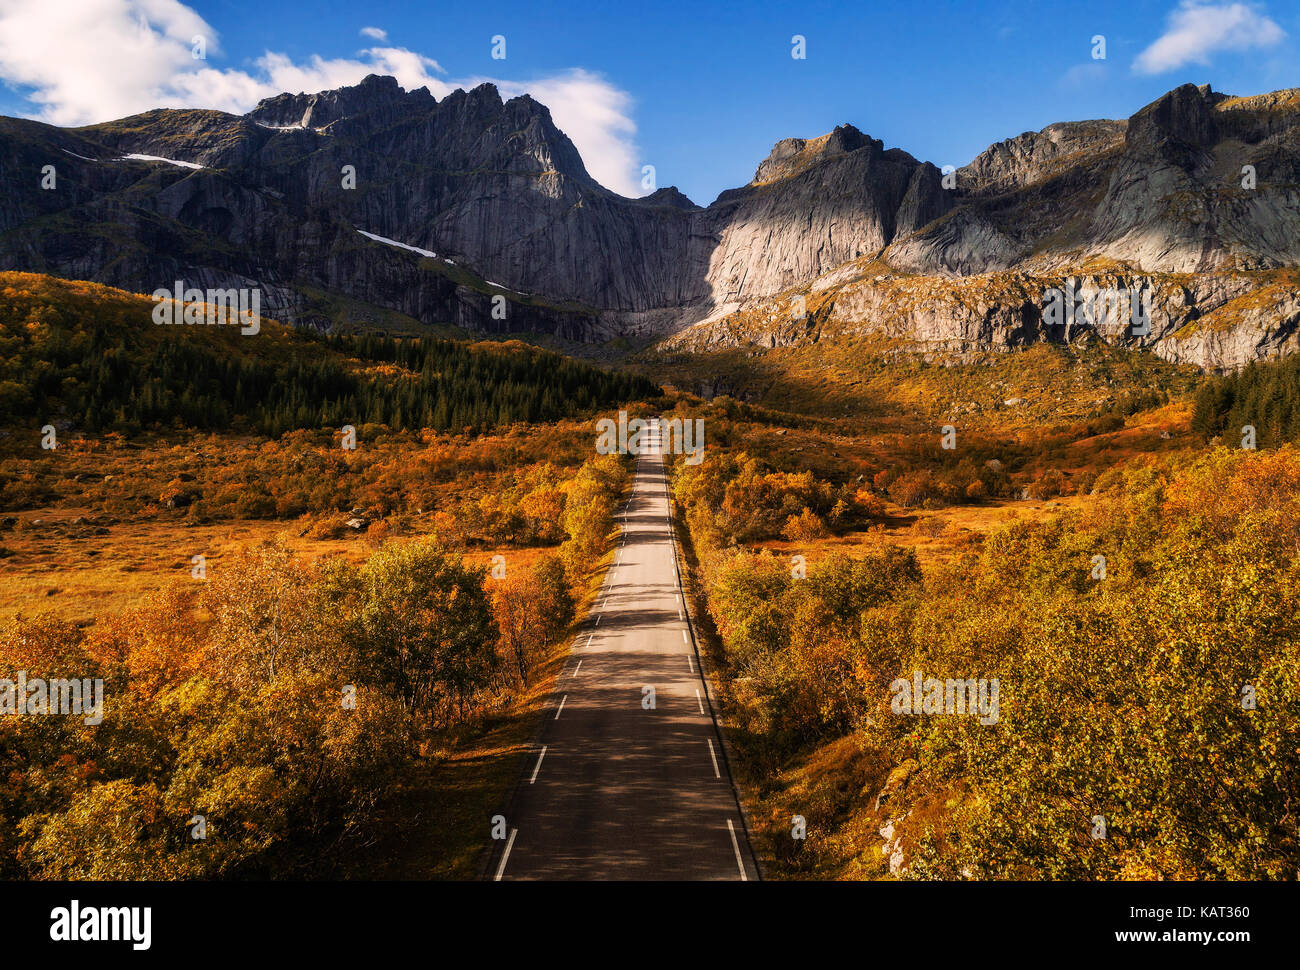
x=338, y=565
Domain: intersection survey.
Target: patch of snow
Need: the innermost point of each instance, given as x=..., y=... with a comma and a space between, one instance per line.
x=400, y=245
x=500, y=287
x=158, y=158
x=263, y=124
x=424, y=252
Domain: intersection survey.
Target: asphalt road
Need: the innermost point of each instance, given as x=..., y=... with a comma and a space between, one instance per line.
x=615, y=788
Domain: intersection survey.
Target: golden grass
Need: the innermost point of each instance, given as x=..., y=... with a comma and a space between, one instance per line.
x=870, y=384
x=936, y=535
x=49, y=568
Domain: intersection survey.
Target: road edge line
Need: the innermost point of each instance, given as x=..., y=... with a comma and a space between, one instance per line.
x=746, y=824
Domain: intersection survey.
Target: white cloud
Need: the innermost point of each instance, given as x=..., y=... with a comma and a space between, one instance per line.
x=377, y=33
x=1195, y=30
x=86, y=61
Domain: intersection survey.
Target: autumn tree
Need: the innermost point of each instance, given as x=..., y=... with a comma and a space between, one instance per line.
x=424, y=627
x=591, y=498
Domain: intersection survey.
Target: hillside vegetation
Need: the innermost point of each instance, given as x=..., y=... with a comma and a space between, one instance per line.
x=93, y=357
x=1148, y=720
x=291, y=705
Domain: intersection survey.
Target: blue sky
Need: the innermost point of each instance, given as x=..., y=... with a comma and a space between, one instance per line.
x=699, y=90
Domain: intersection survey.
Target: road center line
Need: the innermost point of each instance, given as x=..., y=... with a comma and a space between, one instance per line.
x=714, y=755
x=684, y=638
x=561, y=707
x=506, y=855
x=577, y=668
x=699, y=700
x=538, y=767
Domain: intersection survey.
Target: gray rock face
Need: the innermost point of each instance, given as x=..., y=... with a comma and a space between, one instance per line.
x=1036, y=155
x=1213, y=321
x=319, y=111
x=849, y=204
x=495, y=187
x=503, y=200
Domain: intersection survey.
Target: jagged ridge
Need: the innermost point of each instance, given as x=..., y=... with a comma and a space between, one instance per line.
x=501, y=194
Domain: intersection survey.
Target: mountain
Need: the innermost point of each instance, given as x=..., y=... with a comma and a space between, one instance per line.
x=460, y=201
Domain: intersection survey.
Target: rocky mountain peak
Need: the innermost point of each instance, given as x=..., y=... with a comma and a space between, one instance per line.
x=1033, y=156
x=670, y=196
x=533, y=130
x=1177, y=126
x=790, y=156
x=483, y=95
x=326, y=107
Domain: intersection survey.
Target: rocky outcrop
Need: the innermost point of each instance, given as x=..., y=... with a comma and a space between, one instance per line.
x=1037, y=155
x=797, y=221
x=1162, y=192
x=375, y=97
x=1212, y=321
x=790, y=156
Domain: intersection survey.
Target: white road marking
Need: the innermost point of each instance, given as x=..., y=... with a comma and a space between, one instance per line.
x=714, y=755
x=506, y=855
x=577, y=668
x=699, y=700
x=538, y=767
x=690, y=662
x=561, y=707
x=736, y=845
x=684, y=638
x=598, y=619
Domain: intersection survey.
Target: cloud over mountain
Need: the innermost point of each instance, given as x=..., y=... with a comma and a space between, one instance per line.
x=1196, y=30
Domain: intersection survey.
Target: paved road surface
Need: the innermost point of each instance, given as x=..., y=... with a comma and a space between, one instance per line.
x=621, y=791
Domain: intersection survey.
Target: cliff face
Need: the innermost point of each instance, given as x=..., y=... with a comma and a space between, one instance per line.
x=1213, y=321
x=1195, y=200
x=808, y=212
x=481, y=198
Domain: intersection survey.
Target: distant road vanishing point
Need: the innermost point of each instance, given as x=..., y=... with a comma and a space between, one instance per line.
x=628, y=779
